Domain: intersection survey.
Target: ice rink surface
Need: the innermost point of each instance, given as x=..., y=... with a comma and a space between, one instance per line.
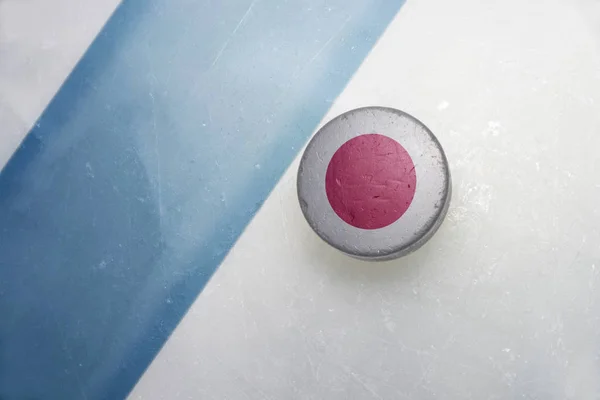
x=502, y=303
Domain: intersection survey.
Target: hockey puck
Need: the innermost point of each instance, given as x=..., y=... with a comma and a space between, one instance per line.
x=374, y=183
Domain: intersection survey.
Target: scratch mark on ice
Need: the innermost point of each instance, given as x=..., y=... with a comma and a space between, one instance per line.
x=158, y=168
x=318, y=53
x=228, y=40
x=357, y=378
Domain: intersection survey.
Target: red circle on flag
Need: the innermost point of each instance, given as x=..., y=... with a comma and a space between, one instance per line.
x=370, y=181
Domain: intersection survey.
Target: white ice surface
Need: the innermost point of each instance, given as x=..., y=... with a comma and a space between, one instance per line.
x=40, y=43
x=503, y=303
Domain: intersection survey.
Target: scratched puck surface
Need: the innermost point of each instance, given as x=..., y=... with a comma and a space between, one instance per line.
x=374, y=183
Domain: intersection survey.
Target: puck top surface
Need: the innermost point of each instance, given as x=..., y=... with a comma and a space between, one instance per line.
x=374, y=183
x=370, y=181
